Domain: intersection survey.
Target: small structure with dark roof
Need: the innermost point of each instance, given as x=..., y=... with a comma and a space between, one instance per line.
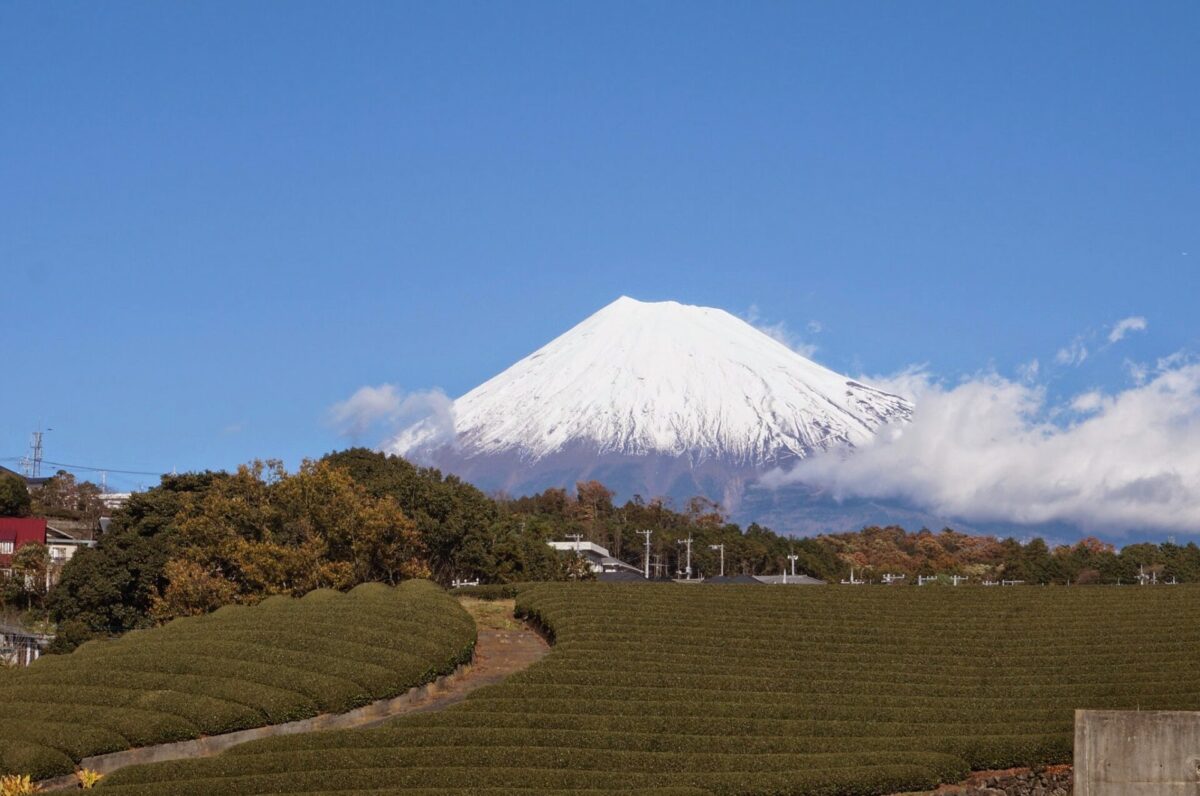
x=733, y=580
x=622, y=576
x=789, y=580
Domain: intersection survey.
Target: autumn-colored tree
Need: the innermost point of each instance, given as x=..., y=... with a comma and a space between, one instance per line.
x=30, y=566
x=62, y=495
x=191, y=590
x=704, y=513
x=593, y=503
x=262, y=531
x=446, y=509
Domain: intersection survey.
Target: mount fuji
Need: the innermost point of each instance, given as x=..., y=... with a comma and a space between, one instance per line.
x=656, y=399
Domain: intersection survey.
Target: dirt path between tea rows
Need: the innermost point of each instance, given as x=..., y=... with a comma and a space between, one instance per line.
x=501, y=650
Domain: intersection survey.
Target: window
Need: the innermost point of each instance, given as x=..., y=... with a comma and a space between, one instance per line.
x=6, y=548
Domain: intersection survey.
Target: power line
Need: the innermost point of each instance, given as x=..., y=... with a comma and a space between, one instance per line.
x=89, y=468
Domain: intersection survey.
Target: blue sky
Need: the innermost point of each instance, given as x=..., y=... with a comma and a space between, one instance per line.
x=219, y=219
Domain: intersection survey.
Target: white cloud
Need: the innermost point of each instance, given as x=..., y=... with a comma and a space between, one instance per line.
x=1172, y=361
x=781, y=333
x=1138, y=371
x=984, y=451
x=354, y=416
x=1088, y=402
x=1029, y=370
x=1073, y=354
x=1134, y=323
x=388, y=407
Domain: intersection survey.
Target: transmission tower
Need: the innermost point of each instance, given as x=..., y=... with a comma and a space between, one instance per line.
x=31, y=465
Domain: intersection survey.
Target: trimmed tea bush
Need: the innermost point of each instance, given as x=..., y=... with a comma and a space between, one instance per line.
x=237, y=668
x=755, y=690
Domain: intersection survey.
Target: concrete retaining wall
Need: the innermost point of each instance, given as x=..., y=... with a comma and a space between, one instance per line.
x=1137, y=753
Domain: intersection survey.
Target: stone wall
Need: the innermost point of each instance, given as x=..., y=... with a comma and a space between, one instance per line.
x=1054, y=781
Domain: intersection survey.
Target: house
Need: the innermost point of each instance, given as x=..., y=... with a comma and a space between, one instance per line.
x=65, y=537
x=15, y=532
x=62, y=539
x=115, y=500
x=597, y=557
x=30, y=482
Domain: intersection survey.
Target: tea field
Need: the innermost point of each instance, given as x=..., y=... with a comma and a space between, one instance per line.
x=240, y=667
x=756, y=690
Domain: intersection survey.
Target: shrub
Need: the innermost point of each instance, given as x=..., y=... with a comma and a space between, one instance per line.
x=492, y=591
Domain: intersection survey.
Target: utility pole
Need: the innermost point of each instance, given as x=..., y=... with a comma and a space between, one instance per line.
x=853, y=580
x=577, y=537
x=688, y=542
x=647, y=534
x=720, y=547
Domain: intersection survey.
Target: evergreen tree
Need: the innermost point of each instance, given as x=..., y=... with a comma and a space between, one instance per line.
x=14, y=496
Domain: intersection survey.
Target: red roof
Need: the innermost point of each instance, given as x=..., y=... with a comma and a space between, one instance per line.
x=18, y=531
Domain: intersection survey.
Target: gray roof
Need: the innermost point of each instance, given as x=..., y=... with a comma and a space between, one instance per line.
x=621, y=576
x=790, y=580
x=609, y=561
x=734, y=580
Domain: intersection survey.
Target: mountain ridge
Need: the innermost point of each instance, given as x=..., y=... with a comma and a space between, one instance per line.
x=640, y=378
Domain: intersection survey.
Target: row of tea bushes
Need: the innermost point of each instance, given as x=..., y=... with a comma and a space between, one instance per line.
x=756, y=690
x=239, y=667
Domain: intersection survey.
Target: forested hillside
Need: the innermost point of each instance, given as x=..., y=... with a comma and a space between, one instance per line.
x=199, y=541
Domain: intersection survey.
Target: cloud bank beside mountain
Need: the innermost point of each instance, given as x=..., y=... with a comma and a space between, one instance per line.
x=992, y=449
x=372, y=411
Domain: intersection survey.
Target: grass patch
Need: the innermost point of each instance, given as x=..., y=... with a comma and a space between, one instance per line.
x=491, y=614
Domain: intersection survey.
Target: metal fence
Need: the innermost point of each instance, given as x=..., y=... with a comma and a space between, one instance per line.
x=19, y=647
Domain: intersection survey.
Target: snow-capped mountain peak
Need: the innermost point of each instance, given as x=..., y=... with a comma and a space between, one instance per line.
x=641, y=378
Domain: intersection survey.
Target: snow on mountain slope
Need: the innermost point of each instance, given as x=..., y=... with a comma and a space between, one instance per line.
x=638, y=379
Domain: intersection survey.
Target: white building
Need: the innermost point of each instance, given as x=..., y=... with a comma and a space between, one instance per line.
x=115, y=500
x=598, y=558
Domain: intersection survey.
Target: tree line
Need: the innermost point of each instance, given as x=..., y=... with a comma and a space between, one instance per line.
x=201, y=540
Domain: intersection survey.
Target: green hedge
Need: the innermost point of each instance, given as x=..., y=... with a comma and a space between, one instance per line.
x=237, y=668
x=491, y=591
x=835, y=691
